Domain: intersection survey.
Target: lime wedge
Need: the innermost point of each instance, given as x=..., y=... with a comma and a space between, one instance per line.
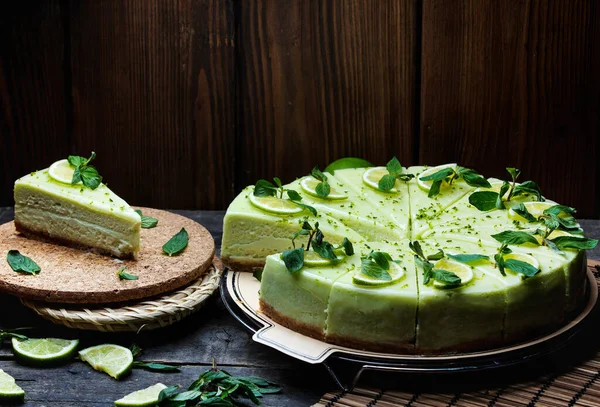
x=534, y=208
x=44, y=351
x=114, y=360
x=347, y=162
x=426, y=185
x=524, y=258
x=396, y=272
x=463, y=271
x=274, y=205
x=312, y=259
x=141, y=398
x=10, y=392
x=372, y=176
x=309, y=185
x=61, y=171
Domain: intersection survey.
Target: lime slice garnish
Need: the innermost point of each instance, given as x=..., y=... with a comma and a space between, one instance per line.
x=274, y=205
x=426, y=185
x=309, y=185
x=372, y=176
x=534, y=208
x=395, y=271
x=142, y=398
x=61, y=171
x=463, y=271
x=347, y=162
x=114, y=360
x=10, y=392
x=524, y=258
x=312, y=259
x=44, y=350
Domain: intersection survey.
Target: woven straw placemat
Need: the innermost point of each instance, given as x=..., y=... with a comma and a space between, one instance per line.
x=576, y=385
x=143, y=315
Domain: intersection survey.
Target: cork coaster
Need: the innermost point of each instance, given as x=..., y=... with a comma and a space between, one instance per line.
x=146, y=315
x=70, y=275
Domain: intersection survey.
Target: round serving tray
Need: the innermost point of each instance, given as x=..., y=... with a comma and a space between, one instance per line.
x=239, y=291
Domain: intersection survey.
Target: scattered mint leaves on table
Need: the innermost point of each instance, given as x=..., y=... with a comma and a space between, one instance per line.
x=147, y=221
x=394, y=169
x=156, y=367
x=86, y=174
x=264, y=188
x=21, y=263
x=123, y=275
x=449, y=174
x=323, y=188
x=177, y=243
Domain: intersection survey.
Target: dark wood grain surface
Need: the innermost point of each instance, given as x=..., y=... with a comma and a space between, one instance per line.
x=214, y=333
x=322, y=80
x=513, y=83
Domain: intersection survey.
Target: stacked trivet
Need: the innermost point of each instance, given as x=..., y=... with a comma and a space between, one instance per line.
x=80, y=289
x=578, y=385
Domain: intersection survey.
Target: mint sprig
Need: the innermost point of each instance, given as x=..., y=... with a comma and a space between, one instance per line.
x=429, y=271
x=518, y=266
x=323, y=188
x=488, y=200
x=86, y=174
x=394, y=168
x=377, y=265
x=449, y=175
x=267, y=188
x=21, y=263
x=513, y=237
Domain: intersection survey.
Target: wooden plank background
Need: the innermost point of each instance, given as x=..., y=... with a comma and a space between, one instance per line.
x=188, y=101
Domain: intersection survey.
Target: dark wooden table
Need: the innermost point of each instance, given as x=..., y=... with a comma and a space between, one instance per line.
x=212, y=333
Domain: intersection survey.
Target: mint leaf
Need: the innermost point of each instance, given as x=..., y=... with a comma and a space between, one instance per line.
x=521, y=267
x=472, y=178
x=394, y=167
x=437, y=256
x=558, y=209
x=21, y=263
x=515, y=237
x=147, y=221
x=123, y=275
x=372, y=269
x=552, y=246
x=277, y=182
x=76, y=161
x=323, y=189
x=257, y=274
x=307, y=207
x=293, y=259
x=177, y=243
x=439, y=175
x=514, y=173
x=386, y=182
x=503, y=190
x=324, y=249
x=484, y=200
x=528, y=187
x=85, y=173
x=416, y=248
x=522, y=211
x=348, y=248
x=574, y=242
x=317, y=174
x=468, y=258
x=264, y=188
x=499, y=258
x=293, y=195
x=445, y=277
x=382, y=259
x=427, y=269
x=434, y=190
x=156, y=367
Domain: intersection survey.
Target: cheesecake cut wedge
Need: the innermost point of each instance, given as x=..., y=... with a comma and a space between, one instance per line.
x=75, y=215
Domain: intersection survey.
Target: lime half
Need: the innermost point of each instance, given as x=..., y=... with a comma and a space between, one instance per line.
x=309, y=185
x=114, y=360
x=10, y=392
x=372, y=176
x=274, y=205
x=426, y=185
x=347, y=162
x=44, y=351
x=312, y=259
x=395, y=271
x=463, y=271
x=141, y=398
x=61, y=171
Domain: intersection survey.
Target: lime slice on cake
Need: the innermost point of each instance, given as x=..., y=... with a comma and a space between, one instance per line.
x=274, y=205
x=426, y=185
x=312, y=259
x=347, y=162
x=10, y=392
x=395, y=271
x=114, y=360
x=372, y=176
x=43, y=351
x=309, y=185
x=463, y=271
x=142, y=398
x=534, y=208
x=61, y=171
x=522, y=257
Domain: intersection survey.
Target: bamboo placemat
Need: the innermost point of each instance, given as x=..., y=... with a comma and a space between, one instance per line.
x=578, y=385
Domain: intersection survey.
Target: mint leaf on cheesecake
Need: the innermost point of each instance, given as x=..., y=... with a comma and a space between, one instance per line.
x=86, y=174
x=394, y=168
x=21, y=264
x=323, y=188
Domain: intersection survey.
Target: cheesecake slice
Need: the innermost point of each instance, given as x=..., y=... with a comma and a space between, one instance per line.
x=76, y=215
